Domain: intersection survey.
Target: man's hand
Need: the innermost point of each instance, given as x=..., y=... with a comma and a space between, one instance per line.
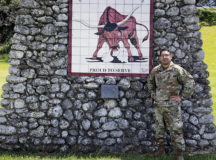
x=153, y=95
x=175, y=99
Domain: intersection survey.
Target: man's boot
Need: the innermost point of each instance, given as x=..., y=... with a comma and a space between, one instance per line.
x=159, y=152
x=179, y=155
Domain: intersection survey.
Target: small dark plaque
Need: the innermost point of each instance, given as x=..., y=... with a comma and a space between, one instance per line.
x=109, y=91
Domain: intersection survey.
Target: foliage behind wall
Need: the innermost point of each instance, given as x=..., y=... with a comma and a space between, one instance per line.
x=8, y=10
x=207, y=16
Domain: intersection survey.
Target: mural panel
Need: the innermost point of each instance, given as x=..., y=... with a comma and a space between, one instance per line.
x=112, y=38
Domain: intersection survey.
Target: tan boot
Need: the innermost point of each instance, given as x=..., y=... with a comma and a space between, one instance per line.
x=159, y=152
x=179, y=155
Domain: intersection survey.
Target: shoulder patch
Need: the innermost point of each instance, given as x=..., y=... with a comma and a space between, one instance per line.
x=157, y=67
x=177, y=68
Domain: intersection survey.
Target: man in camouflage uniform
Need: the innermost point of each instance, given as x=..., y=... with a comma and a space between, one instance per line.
x=168, y=85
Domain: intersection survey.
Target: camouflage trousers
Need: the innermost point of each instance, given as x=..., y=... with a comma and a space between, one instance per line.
x=169, y=117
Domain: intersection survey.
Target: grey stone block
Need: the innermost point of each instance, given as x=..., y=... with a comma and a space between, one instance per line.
x=109, y=91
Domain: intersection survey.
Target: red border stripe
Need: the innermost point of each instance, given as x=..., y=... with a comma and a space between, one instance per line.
x=109, y=74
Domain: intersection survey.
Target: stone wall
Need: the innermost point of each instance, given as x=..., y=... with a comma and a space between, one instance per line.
x=44, y=109
x=206, y=3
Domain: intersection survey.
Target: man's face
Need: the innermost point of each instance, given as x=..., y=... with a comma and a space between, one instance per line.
x=165, y=58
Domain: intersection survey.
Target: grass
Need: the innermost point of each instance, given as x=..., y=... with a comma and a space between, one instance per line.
x=6, y=155
x=209, y=47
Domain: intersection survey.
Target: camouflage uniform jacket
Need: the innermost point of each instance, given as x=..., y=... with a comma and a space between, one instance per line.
x=168, y=82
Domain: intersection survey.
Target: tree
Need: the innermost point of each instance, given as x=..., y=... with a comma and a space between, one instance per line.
x=8, y=10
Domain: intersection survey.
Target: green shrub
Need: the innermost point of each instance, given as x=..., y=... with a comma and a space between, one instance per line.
x=207, y=16
x=8, y=9
x=5, y=48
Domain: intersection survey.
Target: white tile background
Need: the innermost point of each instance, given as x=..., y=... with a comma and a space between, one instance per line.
x=84, y=40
